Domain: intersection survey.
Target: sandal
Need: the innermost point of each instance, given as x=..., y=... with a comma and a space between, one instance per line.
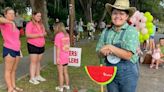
x=18, y=89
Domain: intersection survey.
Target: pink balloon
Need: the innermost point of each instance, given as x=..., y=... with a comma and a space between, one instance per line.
x=139, y=16
x=136, y=13
x=143, y=20
x=137, y=27
x=132, y=20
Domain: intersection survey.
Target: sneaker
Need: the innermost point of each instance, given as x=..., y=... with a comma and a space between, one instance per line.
x=60, y=89
x=66, y=87
x=40, y=78
x=34, y=81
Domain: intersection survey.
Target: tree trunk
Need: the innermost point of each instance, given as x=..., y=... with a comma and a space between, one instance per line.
x=103, y=16
x=45, y=17
x=32, y=2
x=41, y=5
x=86, y=5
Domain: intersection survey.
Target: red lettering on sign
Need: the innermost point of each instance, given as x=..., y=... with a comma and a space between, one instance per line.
x=72, y=53
x=73, y=60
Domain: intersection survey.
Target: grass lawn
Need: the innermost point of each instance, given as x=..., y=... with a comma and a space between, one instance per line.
x=78, y=77
x=23, y=46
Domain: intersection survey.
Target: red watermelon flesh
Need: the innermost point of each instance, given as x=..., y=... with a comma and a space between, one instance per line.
x=101, y=74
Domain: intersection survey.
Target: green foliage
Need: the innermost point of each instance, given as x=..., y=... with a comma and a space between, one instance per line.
x=17, y=5
x=153, y=6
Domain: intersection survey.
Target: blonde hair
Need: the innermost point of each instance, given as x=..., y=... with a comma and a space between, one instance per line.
x=7, y=9
x=59, y=27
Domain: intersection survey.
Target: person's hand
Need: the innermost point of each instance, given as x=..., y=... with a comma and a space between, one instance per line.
x=40, y=35
x=45, y=33
x=57, y=61
x=106, y=50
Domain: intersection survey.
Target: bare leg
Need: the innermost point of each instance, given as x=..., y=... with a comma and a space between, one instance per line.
x=9, y=63
x=14, y=70
x=152, y=63
x=38, y=64
x=157, y=64
x=14, y=73
x=66, y=76
x=60, y=75
x=33, y=65
x=151, y=45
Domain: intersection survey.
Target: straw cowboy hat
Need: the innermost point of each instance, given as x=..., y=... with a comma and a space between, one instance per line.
x=121, y=5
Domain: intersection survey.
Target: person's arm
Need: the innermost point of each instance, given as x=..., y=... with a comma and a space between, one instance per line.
x=162, y=55
x=128, y=50
x=100, y=44
x=4, y=20
x=110, y=49
x=57, y=43
x=44, y=31
x=34, y=35
x=57, y=55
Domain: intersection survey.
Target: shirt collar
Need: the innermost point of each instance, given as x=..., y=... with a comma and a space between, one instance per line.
x=124, y=26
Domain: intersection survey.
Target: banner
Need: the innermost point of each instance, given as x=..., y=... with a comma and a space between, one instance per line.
x=74, y=56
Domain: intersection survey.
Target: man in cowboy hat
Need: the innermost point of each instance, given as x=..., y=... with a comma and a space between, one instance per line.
x=118, y=45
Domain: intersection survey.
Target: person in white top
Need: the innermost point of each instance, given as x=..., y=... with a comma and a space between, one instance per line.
x=80, y=29
x=102, y=25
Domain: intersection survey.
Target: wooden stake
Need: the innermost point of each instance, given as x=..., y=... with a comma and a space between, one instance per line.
x=102, y=89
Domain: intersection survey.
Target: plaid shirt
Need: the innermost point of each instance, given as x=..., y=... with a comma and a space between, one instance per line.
x=129, y=42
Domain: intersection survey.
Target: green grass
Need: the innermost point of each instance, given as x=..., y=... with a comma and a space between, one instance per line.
x=23, y=46
x=78, y=77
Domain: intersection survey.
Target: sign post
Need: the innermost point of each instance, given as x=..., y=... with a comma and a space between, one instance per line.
x=71, y=21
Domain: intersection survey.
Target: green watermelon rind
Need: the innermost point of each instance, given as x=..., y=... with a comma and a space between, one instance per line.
x=103, y=83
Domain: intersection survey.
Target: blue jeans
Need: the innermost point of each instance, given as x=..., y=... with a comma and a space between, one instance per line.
x=126, y=77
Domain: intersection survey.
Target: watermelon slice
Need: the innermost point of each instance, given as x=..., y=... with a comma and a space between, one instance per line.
x=101, y=74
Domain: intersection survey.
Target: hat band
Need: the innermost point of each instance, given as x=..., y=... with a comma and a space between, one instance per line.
x=123, y=7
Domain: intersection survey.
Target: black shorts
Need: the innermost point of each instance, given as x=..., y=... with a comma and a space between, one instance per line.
x=34, y=49
x=11, y=52
x=65, y=64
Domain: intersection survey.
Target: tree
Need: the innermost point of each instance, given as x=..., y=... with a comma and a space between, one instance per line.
x=17, y=5
x=87, y=8
x=41, y=5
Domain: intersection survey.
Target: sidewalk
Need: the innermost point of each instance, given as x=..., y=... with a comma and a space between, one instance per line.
x=150, y=80
x=23, y=68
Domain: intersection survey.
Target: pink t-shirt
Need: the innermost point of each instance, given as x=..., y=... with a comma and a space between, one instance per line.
x=63, y=43
x=10, y=36
x=32, y=28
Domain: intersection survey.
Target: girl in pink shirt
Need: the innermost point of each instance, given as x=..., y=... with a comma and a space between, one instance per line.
x=156, y=57
x=35, y=33
x=62, y=43
x=11, y=48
